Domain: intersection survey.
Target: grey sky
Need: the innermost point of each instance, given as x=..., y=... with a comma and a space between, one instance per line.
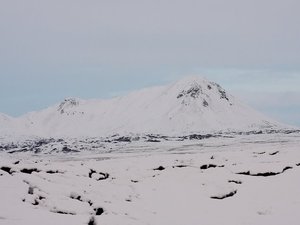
x=53, y=49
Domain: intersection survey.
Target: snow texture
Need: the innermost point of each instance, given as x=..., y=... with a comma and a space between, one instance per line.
x=208, y=181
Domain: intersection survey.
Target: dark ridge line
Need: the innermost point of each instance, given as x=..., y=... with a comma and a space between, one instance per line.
x=53, y=171
x=35, y=146
x=180, y=166
x=287, y=168
x=63, y=212
x=259, y=153
x=29, y=171
x=207, y=166
x=230, y=194
x=266, y=174
x=235, y=181
x=274, y=153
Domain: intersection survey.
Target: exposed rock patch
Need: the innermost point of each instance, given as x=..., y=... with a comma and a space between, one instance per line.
x=160, y=168
x=265, y=174
x=274, y=153
x=220, y=197
x=29, y=171
x=99, y=211
x=92, y=221
x=235, y=181
x=207, y=166
x=6, y=169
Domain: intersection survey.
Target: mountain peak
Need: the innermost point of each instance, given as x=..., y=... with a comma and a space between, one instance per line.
x=195, y=87
x=191, y=80
x=193, y=90
x=67, y=104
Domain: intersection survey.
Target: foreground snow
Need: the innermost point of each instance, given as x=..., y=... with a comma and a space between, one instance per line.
x=251, y=179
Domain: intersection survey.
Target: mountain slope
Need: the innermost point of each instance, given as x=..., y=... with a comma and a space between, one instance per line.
x=5, y=121
x=189, y=105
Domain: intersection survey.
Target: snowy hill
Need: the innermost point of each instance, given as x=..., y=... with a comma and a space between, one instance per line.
x=6, y=122
x=190, y=105
x=5, y=119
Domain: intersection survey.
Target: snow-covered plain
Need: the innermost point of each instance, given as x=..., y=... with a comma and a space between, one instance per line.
x=233, y=179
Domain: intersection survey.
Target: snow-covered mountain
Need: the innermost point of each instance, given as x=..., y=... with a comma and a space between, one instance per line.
x=4, y=118
x=5, y=121
x=190, y=105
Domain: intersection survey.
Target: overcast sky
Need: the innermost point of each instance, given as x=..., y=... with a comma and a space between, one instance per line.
x=50, y=50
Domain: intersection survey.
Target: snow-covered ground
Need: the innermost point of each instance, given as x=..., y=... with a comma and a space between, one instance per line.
x=234, y=179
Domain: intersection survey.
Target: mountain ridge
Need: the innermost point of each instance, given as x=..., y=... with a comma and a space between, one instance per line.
x=190, y=105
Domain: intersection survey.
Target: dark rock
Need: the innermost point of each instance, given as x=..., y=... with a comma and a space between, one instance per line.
x=53, y=171
x=225, y=196
x=104, y=176
x=99, y=211
x=207, y=166
x=205, y=103
x=29, y=171
x=35, y=202
x=259, y=153
x=6, y=169
x=235, y=181
x=122, y=139
x=200, y=136
x=92, y=221
x=30, y=190
x=193, y=92
x=160, y=168
x=63, y=212
x=266, y=174
x=153, y=140
x=91, y=173
x=76, y=197
x=66, y=149
x=180, y=166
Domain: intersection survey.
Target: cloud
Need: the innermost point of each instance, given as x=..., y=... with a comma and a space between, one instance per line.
x=196, y=33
